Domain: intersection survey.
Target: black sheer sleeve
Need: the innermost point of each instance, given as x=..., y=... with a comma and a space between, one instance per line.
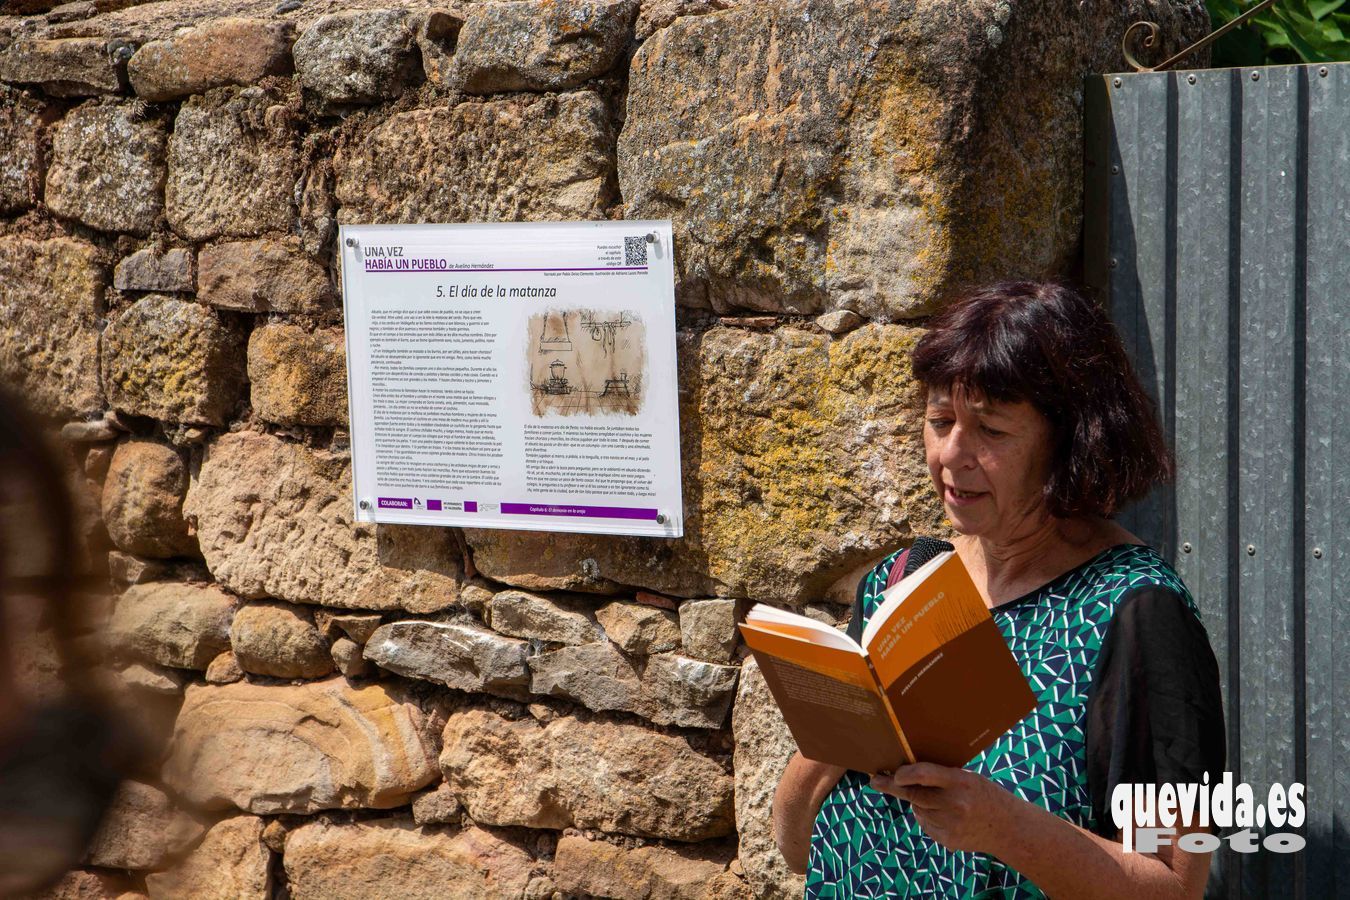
x=1154, y=712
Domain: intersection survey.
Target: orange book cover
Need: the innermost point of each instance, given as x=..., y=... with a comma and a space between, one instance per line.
x=931, y=680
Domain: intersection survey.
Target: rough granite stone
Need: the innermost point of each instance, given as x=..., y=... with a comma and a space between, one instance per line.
x=174, y=360
x=638, y=628
x=108, y=168
x=220, y=52
x=298, y=377
x=141, y=829
x=539, y=45
x=22, y=127
x=262, y=276
x=601, y=869
x=839, y=321
x=224, y=669
x=459, y=656
x=50, y=311
x=563, y=619
x=358, y=56
x=614, y=776
x=346, y=655
x=763, y=747
x=79, y=884
x=230, y=862
x=232, y=165
x=395, y=859
x=872, y=154
x=667, y=689
x=181, y=625
x=552, y=158
x=300, y=748
x=279, y=640
x=357, y=626
x=149, y=269
x=437, y=807
x=274, y=519
x=67, y=67
x=708, y=629
x=143, y=500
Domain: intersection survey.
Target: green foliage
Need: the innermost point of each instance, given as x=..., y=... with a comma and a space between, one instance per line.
x=1291, y=31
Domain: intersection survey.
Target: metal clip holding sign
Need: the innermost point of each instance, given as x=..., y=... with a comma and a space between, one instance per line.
x=514, y=375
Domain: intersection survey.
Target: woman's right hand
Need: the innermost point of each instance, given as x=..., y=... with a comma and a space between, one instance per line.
x=801, y=790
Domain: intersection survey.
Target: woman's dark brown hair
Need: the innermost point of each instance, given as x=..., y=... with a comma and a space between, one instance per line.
x=1045, y=343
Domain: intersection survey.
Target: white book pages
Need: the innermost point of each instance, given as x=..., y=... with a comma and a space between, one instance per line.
x=896, y=594
x=822, y=634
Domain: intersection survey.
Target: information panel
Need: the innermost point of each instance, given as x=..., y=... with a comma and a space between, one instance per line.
x=514, y=375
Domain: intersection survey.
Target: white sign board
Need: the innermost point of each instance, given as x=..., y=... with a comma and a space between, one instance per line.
x=514, y=375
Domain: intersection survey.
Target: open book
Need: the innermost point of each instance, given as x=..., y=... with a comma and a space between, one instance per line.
x=932, y=681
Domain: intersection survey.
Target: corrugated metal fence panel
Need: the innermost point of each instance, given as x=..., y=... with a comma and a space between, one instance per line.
x=1218, y=232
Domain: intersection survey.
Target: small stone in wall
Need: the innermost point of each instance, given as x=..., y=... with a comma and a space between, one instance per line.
x=355, y=625
x=21, y=134
x=708, y=629
x=358, y=56
x=395, y=859
x=93, y=432
x=839, y=321
x=231, y=861
x=108, y=168
x=149, y=269
x=156, y=680
x=233, y=163
x=437, y=807
x=346, y=654
x=67, y=67
x=537, y=45
x=180, y=625
x=224, y=669
x=301, y=748
x=143, y=500
x=638, y=628
x=80, y=884
x=263, y=276
x=219, y=52
x=51, y=308
x=298, y=377
x=464, y=657
x=279, y=640
x=141, y=829
x=564, y=619
x=173, y=360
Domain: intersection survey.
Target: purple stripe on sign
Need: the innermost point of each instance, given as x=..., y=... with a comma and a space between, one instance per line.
x=433, y=506
x=576, y=269
x=395, y=503
x=471, y=506
x=563, y=509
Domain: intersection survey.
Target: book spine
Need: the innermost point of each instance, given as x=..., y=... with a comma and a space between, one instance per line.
x=910, y=758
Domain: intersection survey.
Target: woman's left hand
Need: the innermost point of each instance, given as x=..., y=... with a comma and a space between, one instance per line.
x=959, y=809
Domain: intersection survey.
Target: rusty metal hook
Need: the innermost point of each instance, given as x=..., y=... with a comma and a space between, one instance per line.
x=1151, y=38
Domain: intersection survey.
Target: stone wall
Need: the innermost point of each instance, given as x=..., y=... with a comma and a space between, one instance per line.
x=403, y=712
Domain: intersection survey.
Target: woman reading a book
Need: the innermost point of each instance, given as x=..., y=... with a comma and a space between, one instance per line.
x=1036, y=432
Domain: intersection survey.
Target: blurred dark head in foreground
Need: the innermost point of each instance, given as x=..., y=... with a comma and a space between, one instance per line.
x=62, y=753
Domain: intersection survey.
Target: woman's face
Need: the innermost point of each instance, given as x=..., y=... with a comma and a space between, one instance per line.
x=989, y=462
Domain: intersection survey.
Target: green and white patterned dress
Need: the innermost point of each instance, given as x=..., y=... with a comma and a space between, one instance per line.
x=866, y=844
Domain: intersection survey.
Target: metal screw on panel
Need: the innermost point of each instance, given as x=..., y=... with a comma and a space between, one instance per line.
x=1186, y=547
x=351, y=242
x=364, y=504
x=1113, y=263
x=660, y=518
x=1322, y=72
x=1115, y=82
x=1190, y=79
x=651, y=237
x=1256, y=76
x=1115, y=170
x=1317, y=553
x=1251, y=549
